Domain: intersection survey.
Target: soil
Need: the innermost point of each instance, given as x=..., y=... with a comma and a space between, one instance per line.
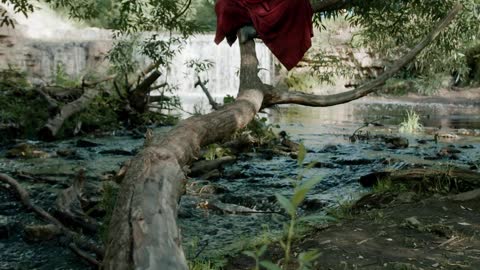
x=432, y=233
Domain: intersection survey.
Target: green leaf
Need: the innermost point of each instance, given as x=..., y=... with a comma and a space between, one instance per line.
x=299, y=196
x=286, y=204
x=270, y=265
x=262, y=250
x=309, y=256
x=302, y=152
x=249, y=254
x=309, y=184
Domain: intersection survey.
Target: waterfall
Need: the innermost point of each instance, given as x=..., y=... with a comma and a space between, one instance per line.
x=44, y=40
x=222, y=78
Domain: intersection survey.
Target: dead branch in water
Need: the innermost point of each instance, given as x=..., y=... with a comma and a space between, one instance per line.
x=72, y=236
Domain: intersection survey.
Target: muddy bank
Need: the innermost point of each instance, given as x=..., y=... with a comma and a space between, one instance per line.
x=439, y=232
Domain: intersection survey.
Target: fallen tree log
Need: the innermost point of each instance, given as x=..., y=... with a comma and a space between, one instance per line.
x=143, y=232
x=53, y=126
x=138, y=97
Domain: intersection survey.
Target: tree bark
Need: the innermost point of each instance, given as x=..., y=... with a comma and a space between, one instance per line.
x=143, y=232
x=139, y=97
x=53, y=126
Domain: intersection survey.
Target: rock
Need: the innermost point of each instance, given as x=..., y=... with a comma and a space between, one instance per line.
x=466, y=196
x=67, y=152
x=371, y=179
x=413, y=222
x=214, y=174
x=329, y=149
x=313, y=204
x=234, y=174
x=26, y=151
x=360, y=161
x=447, y=136
x=41, y=232
x=205, y=166
x=406, y=197
x=448, y=151
x=86, y=144
x=396, y=142
x=469, y=146
x=213, y=189
x=5, y=227
x=118, y=152
x=320, y=164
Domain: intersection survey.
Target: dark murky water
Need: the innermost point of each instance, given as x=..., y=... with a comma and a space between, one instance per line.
x=258, y=177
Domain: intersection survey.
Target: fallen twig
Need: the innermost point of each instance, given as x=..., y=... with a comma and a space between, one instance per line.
x=73, y=237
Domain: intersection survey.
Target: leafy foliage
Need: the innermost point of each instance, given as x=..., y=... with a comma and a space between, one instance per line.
x=389, y=27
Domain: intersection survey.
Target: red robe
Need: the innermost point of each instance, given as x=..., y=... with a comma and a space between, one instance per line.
x=285, y=26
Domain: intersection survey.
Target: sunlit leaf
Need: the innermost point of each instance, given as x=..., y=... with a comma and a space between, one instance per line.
x=302, y=152
x=286, y=204
x=249, y=254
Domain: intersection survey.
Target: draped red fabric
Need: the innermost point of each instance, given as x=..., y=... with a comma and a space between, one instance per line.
x=285, y=26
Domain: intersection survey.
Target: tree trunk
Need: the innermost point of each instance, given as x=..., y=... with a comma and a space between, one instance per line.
x=138, y=98
x=53, y=126
x=143, y=232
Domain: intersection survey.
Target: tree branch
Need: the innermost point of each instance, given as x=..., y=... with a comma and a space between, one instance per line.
x=212, y=102
x=294, y=97
x=72, y=236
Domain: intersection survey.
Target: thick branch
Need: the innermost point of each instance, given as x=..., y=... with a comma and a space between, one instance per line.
x=294, y=97
x=53, y=126
x=143, y=232
x=138, y=98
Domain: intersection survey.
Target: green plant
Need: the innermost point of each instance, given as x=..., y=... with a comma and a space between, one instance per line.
x=262, y=132
x=290, y=205
x=411, y=124
x=256, y=255
x=201, y=265
x=383, y=185
x=62, y=78
x=214, y=151
x=343, y=210
x=228, y=99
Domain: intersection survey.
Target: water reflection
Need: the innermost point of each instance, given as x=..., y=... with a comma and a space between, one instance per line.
x=388, y=113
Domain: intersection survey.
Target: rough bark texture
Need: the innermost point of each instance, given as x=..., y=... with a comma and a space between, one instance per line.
x=143, y=233
x=53, y=126
x=139, y=97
